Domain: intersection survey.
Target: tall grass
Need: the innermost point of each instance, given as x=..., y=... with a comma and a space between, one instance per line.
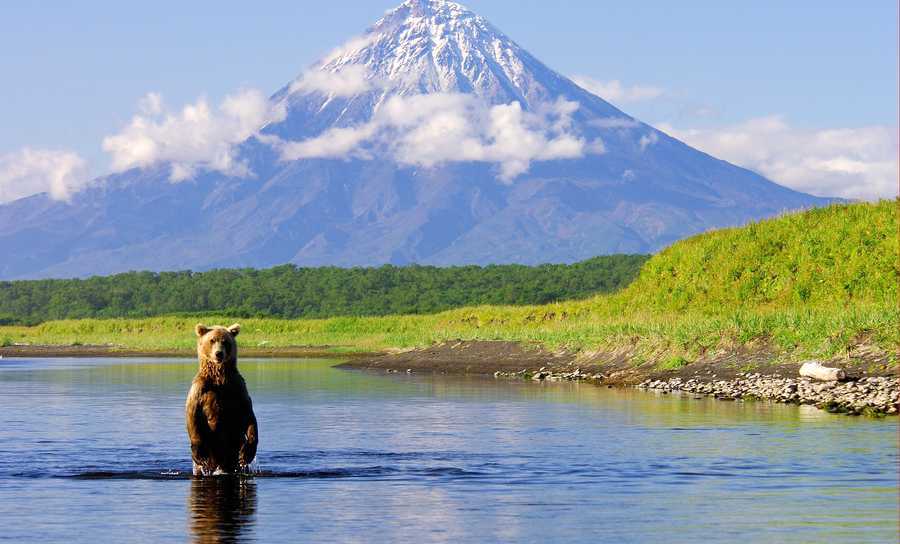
x=803, y=332
x=838, y=255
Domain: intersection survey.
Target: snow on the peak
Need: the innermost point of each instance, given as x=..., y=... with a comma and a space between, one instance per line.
x=478, y=96
x=445, y=7
x=425, y=46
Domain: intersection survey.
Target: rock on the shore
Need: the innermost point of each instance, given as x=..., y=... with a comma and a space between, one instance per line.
x=873, y=395
x=543, y=374
x=815, y=370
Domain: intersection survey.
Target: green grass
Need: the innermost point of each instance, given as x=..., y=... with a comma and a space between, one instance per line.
x=809, y=285
x=839, y=255
x=673, y=362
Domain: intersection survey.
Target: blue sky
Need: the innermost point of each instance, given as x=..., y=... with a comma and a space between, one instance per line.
x=709, y=72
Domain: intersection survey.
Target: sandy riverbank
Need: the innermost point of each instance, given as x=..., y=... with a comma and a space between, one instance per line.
x=756, y=373
x=616, y=366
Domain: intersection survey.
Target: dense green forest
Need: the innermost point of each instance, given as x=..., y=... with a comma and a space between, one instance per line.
x=291, y=292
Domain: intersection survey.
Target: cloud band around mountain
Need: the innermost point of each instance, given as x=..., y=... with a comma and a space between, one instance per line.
x=428, y=130
x=431, y=129
x=196, y=137
x=348, y=81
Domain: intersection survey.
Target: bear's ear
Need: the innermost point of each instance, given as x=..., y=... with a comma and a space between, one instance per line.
x=201, y=329
x=234, y=329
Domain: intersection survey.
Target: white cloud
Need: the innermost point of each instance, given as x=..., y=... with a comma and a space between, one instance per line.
x=859, y=163
x=596, y=147
x=29, y=171
x=614, y=91
x=333, y=143
x=151, y=104
x=614, y=122
x=431, y=129
x=348, y=48
x=347, y=81
x=197, y=137
x=648, y=140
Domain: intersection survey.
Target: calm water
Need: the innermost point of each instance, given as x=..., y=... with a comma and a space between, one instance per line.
x=94, y=450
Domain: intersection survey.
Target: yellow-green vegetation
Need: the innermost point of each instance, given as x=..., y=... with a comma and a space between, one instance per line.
x=806, y=284
x=840, y=255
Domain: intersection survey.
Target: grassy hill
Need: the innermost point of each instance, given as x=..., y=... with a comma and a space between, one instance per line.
x=815, y=283
x=843, y=254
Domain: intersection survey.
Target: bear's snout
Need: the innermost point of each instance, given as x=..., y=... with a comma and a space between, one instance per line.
x=218, y=351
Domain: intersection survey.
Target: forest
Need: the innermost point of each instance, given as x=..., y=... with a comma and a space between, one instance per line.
x=289, y=291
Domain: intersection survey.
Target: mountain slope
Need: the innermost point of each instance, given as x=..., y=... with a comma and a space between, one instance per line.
x=431, y=138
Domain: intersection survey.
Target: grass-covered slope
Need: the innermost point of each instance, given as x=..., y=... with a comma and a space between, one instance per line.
x=842, y=254
x=816, y=283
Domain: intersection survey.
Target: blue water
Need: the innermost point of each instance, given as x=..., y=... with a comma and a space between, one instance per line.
x=94, y=450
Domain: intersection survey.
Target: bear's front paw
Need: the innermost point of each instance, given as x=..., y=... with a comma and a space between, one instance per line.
x=204, y=470
x=249, y=468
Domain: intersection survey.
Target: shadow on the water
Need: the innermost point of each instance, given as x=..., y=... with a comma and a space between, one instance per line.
x=222, y=509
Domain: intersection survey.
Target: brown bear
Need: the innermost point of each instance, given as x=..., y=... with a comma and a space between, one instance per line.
x=219, y=413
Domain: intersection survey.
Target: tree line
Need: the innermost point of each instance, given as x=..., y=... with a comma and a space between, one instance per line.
x=289, y=291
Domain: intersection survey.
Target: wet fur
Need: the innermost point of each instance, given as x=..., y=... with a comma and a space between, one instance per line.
x=218, y=411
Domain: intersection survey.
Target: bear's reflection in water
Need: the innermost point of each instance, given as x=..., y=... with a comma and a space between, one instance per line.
x=222, y=509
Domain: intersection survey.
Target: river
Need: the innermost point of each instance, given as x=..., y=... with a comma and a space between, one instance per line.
x=94, y=450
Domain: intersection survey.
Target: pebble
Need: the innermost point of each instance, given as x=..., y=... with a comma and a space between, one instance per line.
x=879, y=395
x=542, y=374
x=873, y=396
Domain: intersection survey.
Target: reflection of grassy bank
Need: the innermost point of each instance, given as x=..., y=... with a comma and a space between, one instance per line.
x=812, y=284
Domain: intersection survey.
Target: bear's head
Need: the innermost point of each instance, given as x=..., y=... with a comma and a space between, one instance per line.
x=217, y=349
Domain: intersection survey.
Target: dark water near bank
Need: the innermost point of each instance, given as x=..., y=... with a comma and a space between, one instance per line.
x=94, y=450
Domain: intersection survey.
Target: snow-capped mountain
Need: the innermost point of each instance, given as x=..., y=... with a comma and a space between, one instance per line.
x=430, y=138
x=435, y=46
